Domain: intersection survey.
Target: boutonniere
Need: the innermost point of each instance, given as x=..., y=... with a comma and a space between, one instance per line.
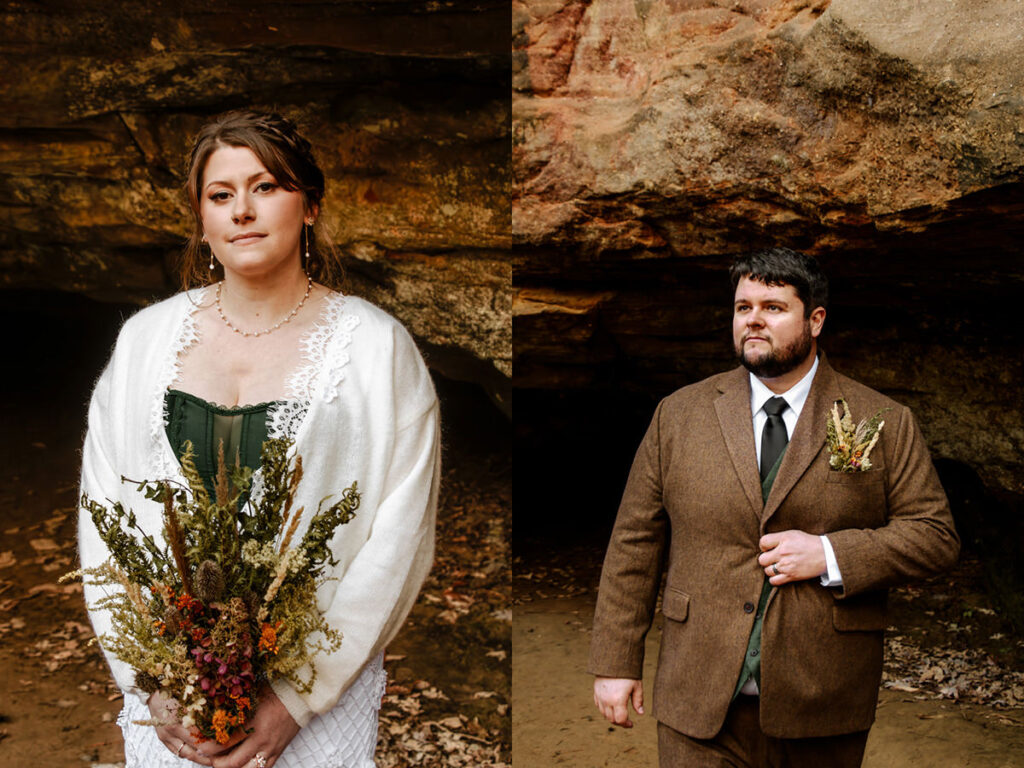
x=850, y=446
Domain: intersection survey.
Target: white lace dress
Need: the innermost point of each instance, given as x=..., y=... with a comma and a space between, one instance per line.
x=346, y=735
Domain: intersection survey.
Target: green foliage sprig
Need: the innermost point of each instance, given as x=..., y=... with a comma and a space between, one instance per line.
x=322, y=527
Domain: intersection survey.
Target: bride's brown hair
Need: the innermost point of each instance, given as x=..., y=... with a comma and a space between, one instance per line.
x=288, y=156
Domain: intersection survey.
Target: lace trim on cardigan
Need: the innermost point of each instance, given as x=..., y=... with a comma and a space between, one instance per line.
x=333, y=332
x=325, y=355
x=170, y=369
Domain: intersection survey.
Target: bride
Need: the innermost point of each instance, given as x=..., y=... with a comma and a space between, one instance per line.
x=261, y=345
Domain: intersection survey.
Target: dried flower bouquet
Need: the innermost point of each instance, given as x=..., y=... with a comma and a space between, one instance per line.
x=226, y=603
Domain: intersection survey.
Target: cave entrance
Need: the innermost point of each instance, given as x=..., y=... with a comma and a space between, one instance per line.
x=926, y=317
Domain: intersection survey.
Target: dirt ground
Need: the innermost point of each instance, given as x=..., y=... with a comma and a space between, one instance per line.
x=554, y=721
x=449, y=670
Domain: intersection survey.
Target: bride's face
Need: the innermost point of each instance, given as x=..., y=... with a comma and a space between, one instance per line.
x=253, y=225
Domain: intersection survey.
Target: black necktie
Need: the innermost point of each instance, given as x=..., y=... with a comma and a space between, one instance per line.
x=774, y=436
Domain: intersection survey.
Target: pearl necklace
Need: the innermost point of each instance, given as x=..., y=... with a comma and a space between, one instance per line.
x=265, y=331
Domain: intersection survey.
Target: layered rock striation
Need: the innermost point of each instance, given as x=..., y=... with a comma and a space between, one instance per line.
x=406, y=103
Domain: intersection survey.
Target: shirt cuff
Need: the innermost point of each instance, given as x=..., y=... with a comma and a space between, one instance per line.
x=831, y=577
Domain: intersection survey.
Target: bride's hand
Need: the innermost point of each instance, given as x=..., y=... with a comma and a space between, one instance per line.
x=178, y=739
x=174, y=735
x=272, y=730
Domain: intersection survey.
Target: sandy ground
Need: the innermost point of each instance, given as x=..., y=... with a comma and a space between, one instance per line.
x=554, y=721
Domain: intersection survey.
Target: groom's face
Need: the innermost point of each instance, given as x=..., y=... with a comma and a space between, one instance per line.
x=769, y=330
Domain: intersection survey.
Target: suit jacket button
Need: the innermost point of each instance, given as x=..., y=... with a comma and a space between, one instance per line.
x=748, y=607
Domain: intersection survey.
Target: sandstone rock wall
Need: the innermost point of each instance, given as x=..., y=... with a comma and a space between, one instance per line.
x=686, y=128
x=653, y=141
x=406, y=103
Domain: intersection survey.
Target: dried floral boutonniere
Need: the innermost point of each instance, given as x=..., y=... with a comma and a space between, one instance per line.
x=849, y=447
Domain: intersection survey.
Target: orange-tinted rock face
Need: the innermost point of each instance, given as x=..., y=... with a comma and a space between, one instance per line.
x=793, y=117
x=405, y=102
x=653, y=141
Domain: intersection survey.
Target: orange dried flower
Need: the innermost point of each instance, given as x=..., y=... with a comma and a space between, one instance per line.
x=186, y=602
x=268, y=638
x=221, y=723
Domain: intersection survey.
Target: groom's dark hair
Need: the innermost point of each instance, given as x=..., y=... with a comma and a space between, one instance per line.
x=784, y=266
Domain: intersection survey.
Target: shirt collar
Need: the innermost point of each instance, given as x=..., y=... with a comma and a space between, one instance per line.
x=795, y=396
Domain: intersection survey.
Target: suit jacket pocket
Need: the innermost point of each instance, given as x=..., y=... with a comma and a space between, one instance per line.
x=675, y=604
x=873, y=475
x=859, y=616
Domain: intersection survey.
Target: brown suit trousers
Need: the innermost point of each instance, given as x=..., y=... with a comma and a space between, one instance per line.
x=741, y=743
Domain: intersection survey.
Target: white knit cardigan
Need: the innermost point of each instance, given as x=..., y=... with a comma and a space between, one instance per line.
x=361, y=408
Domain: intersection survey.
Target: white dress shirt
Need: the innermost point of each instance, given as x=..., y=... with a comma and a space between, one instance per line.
x=795, y=398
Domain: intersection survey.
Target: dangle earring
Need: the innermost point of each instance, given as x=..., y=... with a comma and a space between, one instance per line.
x=211, y=252
x=305, y=236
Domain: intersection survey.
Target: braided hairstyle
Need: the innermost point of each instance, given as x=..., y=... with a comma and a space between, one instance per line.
x=277, y=143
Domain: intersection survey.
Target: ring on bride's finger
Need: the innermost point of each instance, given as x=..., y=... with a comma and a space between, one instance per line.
x=180, y=747
x=261, y=761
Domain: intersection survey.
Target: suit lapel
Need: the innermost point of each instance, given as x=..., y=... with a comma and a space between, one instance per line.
x=808, y=437
x=734, y=418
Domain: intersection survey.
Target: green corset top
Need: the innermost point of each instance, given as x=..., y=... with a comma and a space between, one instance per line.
x=242, y=430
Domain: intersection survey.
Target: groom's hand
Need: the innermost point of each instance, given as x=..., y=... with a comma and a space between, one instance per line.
x=790, y=556
x=612, y=695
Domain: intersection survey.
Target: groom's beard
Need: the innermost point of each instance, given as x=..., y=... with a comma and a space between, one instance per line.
x=777, y=360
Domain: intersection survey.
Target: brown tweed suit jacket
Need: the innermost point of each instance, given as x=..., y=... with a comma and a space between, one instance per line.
x=693, y=504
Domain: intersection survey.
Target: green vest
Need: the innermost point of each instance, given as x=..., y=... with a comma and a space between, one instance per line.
x=752, y=658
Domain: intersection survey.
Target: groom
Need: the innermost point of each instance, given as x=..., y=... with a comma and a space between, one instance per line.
x=778, y=544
